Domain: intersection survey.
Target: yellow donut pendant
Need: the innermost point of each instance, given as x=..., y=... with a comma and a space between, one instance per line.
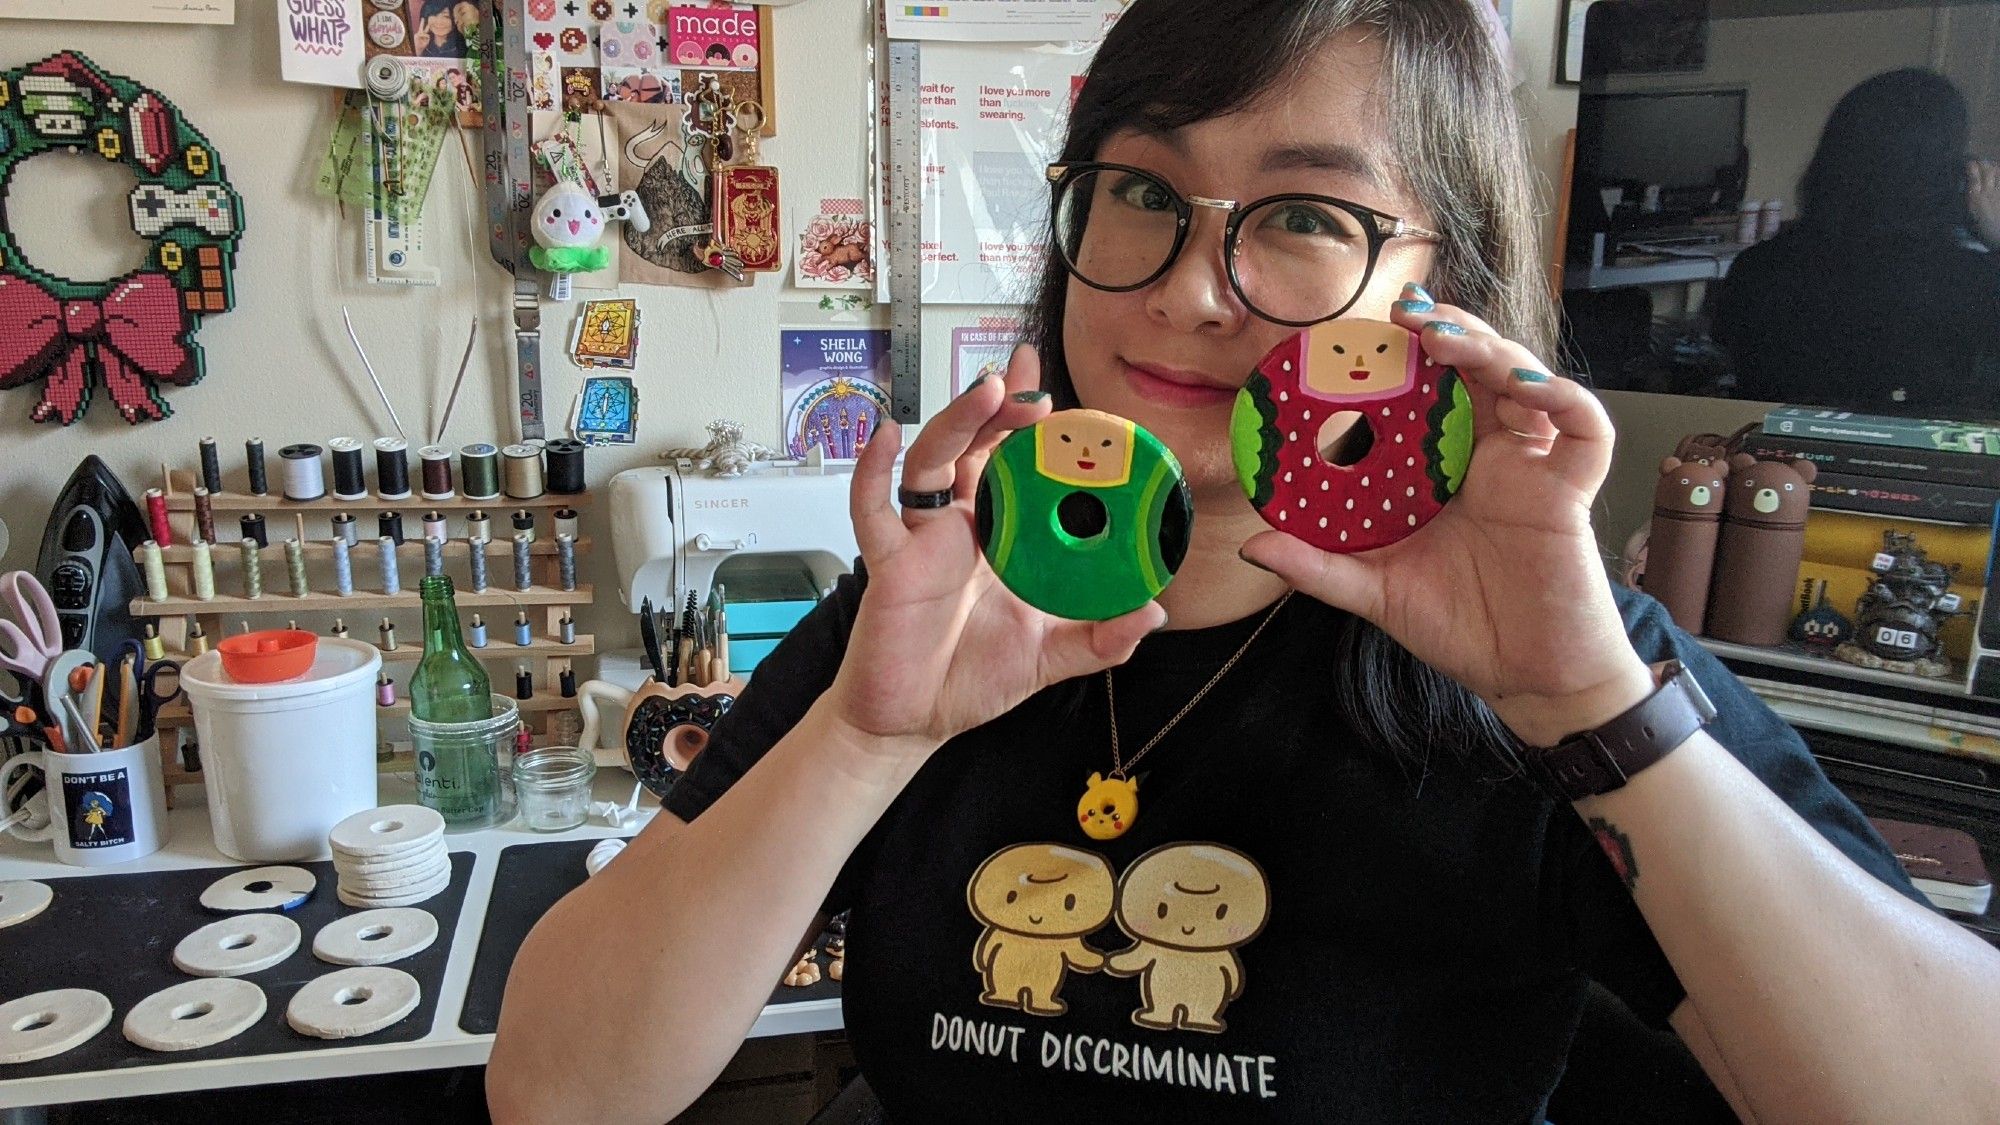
x=1109, y=806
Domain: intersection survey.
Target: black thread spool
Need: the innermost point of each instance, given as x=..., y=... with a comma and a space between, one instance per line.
x=392, y=468
x=350, y=479
x=565, y=466
x=211, y=466
x=524, y=523
x=524, y=685
x=253, y=528
x=391, y=525
x=253, y=458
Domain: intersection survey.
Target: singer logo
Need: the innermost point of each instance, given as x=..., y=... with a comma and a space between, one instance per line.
x=731, y=502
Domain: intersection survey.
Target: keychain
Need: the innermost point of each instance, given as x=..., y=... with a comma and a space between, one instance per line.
x=743, y=194
x=708, y=113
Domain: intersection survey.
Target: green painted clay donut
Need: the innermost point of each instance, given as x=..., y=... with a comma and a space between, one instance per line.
x=1084, y=515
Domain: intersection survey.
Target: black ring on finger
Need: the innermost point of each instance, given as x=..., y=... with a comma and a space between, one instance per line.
x=942, y=498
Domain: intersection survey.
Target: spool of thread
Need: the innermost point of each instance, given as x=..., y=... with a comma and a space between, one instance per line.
x=155, y=568
x=204, y=515
x=524, y=523
x=566, y=466
x=567, y=678
x=350, y=479
x=202, y=571
x=524, y=633
x=392, y=468
x=345, y=528
x=567, y=630
x=392, y=581
x=566, y=561
x=479, y=471
x=343, y=567
x=478, y=631
x=339, y=628
x=433, y=556
x=385, y=691
x=304, y=479
x=253, y=568
x=156, y=515
x=252, y=527
x=197, y=639
x=388, y=631
x=390, y=524
x=523, y=465
x=436, y=467
x=253, y=459
x=478, y=561
x=156, y=649
x=566, y=522
x=295, y=567
x=479, y=526
x=434, y=526
x=211, y=465
x=524, y=684
x=524, y=578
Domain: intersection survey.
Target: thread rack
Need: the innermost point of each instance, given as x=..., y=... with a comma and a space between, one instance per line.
x=545, y=602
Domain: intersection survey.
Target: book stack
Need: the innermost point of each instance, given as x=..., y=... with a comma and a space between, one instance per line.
x=1909, y=468
x=1944, y=863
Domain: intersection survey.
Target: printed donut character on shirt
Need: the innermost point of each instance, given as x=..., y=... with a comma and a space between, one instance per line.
x=1084, y=515
x=1037, y=901
x=1350, y=436
x=1188, y=908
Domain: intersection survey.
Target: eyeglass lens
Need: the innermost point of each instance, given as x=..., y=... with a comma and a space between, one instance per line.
x=1294, y=259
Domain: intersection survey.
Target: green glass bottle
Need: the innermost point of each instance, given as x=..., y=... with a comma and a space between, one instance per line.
x=449, y=686
x=452, y=726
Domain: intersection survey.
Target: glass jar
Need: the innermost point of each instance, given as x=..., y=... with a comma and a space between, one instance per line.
x=552, y=787
x=459, y=765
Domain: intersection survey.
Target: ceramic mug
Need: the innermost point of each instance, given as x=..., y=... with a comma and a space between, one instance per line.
x=104, y=808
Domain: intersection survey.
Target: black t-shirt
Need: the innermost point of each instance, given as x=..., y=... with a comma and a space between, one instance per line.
x=1295, y=928
x=1877, y=322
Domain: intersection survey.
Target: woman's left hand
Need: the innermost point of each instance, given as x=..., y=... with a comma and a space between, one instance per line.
x=1504, y=590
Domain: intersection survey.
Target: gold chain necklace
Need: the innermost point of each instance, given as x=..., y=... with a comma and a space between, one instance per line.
x=1110, y=805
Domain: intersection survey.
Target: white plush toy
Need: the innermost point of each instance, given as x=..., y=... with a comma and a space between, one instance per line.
x=567, y=223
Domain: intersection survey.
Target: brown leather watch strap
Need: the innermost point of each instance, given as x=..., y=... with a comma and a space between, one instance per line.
x=1599, y=761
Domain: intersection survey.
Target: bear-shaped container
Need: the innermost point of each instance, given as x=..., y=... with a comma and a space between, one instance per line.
x=1757, y=559
x=1680, y=549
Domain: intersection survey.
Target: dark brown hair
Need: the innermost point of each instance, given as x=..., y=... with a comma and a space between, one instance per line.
x=1455, y=133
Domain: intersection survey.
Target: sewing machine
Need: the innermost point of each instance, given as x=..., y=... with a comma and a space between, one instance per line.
x=673, y=527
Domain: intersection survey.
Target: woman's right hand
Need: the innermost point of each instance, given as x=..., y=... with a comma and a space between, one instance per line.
x=939, y=645
x=1982, y=195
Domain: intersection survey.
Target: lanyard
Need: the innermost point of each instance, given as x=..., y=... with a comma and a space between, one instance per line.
x=503, y=85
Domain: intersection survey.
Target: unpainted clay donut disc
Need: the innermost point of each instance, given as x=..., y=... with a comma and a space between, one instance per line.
x=234, y=946
x=401, y=883
x=375, y=937
x=398, y=853
x=351, y=1002
x=49, y=1023
x=383, y=831
x=287, y=887
x=196, y=1013
x=409, y=897
x=426, y=855
x=20, y=901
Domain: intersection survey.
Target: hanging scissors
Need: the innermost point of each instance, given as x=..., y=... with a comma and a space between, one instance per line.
x=151, y=697
x=33, y=639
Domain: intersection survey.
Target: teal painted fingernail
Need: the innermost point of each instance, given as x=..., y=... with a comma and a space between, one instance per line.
x=975, y=384
x=1415, y=306
x=1030, y=396
x=1529, y=375
x=1444, y=328
x=1417, y=292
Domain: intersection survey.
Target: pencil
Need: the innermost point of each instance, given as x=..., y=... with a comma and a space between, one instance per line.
x=128, y=701
x=96, y=710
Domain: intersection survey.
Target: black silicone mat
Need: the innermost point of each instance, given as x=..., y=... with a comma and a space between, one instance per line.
x=528, y=881
x=116, y=934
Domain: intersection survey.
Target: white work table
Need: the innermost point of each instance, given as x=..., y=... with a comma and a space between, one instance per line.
x=445, y=1044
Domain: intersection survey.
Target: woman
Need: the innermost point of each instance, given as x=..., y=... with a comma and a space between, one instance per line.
x=1336, y=902
x=441, y=27
x=1895, y=262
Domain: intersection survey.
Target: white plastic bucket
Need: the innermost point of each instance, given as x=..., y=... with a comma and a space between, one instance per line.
x=284, y=762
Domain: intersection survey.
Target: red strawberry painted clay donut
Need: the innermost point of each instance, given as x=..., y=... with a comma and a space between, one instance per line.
x=1349, y=436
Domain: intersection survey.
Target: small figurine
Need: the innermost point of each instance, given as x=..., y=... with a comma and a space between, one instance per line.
x=567, y=223
x=727, y=453
x=1821, y=627
x=1898, y=619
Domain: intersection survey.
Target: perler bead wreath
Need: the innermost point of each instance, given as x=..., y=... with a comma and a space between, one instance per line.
x=1350, y=436
x=133, y=332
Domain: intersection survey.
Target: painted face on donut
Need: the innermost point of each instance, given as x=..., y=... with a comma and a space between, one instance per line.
x=1349, y=436
x=1084, y=515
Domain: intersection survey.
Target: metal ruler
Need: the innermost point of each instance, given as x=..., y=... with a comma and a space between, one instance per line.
x=906, y=232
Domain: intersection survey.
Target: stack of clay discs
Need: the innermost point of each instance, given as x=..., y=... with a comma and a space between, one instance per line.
x=391, y=856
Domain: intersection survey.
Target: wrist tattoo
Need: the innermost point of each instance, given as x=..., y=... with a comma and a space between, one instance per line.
x=1617, y=848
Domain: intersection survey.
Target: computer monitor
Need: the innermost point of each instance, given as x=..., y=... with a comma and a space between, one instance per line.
x=1687, y=143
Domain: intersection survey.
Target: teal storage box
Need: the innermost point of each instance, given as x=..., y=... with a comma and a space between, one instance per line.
x=765, y=619
x=746, y=652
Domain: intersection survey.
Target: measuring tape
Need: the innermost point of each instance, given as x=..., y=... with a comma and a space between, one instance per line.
x=906, y=232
